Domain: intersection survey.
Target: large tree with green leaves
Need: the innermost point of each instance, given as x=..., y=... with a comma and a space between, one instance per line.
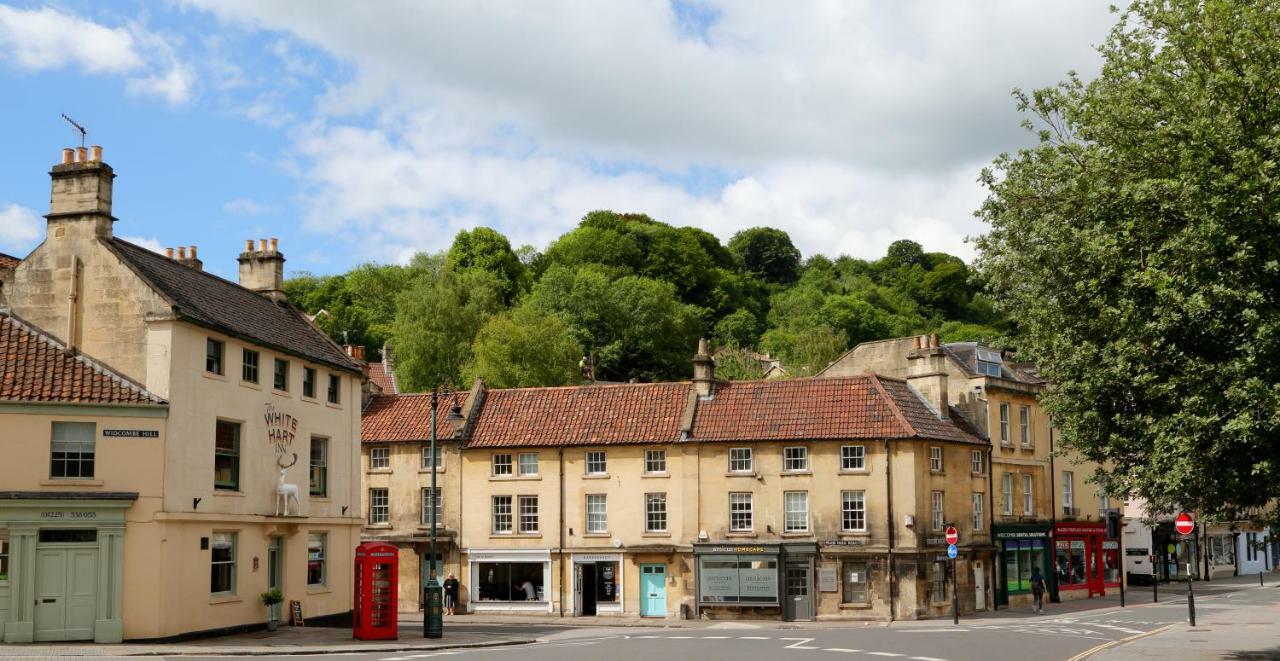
x=436, y=322
x=1138, y=248
x=525, y=347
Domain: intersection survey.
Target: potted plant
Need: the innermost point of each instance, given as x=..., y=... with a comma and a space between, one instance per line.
x=270, y=598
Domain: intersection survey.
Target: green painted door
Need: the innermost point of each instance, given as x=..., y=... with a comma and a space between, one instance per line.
x=66, y=593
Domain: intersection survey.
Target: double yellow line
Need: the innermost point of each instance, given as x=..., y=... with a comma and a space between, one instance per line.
x=1094, y=650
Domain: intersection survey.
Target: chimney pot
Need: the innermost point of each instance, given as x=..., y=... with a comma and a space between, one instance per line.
x=82, y=155
x=262, y=245
x=95, y=153
x=168, y=252
x=68, y=155
x=275, y=245
x=182, y=252
x=192, y=251
x=248, y=245
x=933, y=341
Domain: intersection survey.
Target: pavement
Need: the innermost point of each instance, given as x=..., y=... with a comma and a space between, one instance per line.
x=1237, y=620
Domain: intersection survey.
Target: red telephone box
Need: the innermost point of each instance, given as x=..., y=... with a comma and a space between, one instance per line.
x=377, y=572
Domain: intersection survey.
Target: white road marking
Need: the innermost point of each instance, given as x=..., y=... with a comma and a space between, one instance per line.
x=647, y=636
x=841, y=649
x=715, y=637
x=884, y=654
x=951, y=630
x=1116, y=628
x=679, y=637
x=927, y=658
x=798, y=644
x=753, y=638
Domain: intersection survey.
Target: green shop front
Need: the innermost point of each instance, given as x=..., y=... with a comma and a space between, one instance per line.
x=62, y=565
x=1022, y=548
x=765, y=579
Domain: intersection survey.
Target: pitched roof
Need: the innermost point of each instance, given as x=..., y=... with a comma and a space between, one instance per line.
x=864, y=406
x=380, y=374
x=36, y=367
x=9, y=262
x=581, y=415
x=207, y=300
x=406, y=417
x=965, y=354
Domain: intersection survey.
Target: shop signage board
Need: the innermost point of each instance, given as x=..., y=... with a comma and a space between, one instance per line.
x=845, y=542
x=1022, y=534
x=827, y=579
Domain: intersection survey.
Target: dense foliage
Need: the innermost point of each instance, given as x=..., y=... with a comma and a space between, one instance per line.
x=636, y=294
x=1138, y=249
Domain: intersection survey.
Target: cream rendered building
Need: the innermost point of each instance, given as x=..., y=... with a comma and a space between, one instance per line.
x=255, y=395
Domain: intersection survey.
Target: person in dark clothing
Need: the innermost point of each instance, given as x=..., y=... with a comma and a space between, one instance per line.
x=450, y=594
x=1038, y=588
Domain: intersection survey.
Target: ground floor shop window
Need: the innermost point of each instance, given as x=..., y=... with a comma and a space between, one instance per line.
x=1222, y=550
x=316, y=543
x=222, y=578
x=511, y=581
x=938, y=579
x=4, y=559
x=1111, y=561
x=1020, y=557
x=750, y=580
x=1071, y=568
x=606, y=583
x=855, y=583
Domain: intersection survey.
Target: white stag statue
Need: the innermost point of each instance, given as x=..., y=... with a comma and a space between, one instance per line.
x=286, y=491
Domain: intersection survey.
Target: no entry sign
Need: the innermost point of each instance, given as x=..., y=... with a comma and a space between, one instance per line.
x=953, y=535
x=1184, y=524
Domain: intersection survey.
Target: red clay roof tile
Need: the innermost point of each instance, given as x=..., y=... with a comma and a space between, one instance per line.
x=406, y=417
x=581, y=415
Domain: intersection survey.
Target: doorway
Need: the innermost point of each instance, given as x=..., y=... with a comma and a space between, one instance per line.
x=66, y=598
x=653, y=590
x=798, y=603
x=979, y=586
x=587, y=588
x=275, y=571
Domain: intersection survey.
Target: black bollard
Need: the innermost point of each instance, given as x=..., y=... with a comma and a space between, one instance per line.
x=1191, y=602
x=1155, y=589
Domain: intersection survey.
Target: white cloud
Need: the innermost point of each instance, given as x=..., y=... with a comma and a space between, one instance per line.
x=20, y=229
x=147, y=242
x=243, y=206
x=46, y=38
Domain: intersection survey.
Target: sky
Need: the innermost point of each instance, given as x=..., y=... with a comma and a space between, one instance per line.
x=360, y=132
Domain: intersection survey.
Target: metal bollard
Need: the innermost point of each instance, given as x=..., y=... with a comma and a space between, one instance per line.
x=1191, y=602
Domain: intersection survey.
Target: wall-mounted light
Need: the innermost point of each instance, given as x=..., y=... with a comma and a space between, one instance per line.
x=195, y=502
x=344, y=510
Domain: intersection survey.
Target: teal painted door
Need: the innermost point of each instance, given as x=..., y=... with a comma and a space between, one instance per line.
x=653, y=590
x=66, y=593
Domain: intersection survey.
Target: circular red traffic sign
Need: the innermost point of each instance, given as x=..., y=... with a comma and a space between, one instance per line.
x=953, y=535
x=1183, y=524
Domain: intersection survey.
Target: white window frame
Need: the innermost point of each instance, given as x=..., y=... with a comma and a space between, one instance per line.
x=527, y=464
x=978, y=510
x=795, y=459
x=234, y=562
x=323, y=538
x=379, y=513
x=596, y=462
x=655, y=462
x=976, y=463
x=853, y=507
x=795, y=511
x=596, y=510
x=78, y=446
x=502, y=464
x=379, y=457
x=528, y=515
x=655, y=507
x=1006, y=493
x=936, y=504
x=1024, y=426
x=935, y=459
x=742, y=505
x=853, y=458
x=501, y=515
x=427, y=459
x=1005, y=438
x=425, y=511
x=744, y=462
x=1028, y=494
x=1068, y=491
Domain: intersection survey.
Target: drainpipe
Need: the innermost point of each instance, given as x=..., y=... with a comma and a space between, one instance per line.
x=1054, y=597
x=991, y=526
x=562, y=571
x=888, y=488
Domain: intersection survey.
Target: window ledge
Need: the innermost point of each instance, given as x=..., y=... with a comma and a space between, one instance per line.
x=596, y=534
x=656, y=534
x=309, y=400
x=379, y=471
x=656, y=476
x=854, y=607
x=427, y=471
x=854, y=533
x=250, y=384
x=517, y=535
x=214, y=375
x=70, y=482
x=319, y=589
x=507, y=478
x=793, y=473
x=224, y=599
x=280, y=393
x=742, y=533
x=228, y=493
x=797, y=533
x=331, y=405
x=937, y=472
x=858, y=471
x=741, y=474
x=377, y=526
x=596, y=476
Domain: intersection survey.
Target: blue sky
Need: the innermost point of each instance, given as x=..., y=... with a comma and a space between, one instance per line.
x=357, y=132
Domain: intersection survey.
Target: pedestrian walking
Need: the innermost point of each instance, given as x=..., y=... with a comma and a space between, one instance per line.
x=450, y=594
x=1037, y=588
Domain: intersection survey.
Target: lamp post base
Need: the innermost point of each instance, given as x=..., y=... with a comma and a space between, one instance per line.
x=433, y=618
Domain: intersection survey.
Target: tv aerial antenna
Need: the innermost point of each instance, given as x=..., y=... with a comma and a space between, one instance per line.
x=83, y=131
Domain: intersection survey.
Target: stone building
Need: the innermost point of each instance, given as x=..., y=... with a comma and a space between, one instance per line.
x=1045, y=511
x=253, y=396
x=783, y=499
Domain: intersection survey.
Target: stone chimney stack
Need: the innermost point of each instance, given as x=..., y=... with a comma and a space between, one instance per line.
x=186, y=257
x=80, y=202
x=704, y=370
x=262, y=270
x=927, y=372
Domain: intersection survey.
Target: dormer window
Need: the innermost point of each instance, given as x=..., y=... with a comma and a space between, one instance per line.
x=989, y=362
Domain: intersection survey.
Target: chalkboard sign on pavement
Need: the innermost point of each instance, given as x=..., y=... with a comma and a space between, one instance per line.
x=295, y=615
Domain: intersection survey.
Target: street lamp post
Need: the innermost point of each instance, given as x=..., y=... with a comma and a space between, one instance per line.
x=433, y=619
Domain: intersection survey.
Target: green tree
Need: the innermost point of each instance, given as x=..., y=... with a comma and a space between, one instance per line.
x=488, y=249
x=741, y=328
x=436, y=322
x=1137, y=247
x=805, y=351
x=767, y=253
x=525, y=347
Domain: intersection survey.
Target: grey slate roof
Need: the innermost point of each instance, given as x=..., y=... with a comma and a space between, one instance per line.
x=207, y=300
x=966, y=354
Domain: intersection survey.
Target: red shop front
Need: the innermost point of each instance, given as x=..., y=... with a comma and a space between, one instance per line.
x=1084, y=559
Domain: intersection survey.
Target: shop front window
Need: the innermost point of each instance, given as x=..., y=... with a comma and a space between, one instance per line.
x=1070, y=562
x=4, y=559
x=855, y=583
x=1111, y=561
x=316, y=543
x=1021, y=556
x=510, y=581
x=606, y=586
